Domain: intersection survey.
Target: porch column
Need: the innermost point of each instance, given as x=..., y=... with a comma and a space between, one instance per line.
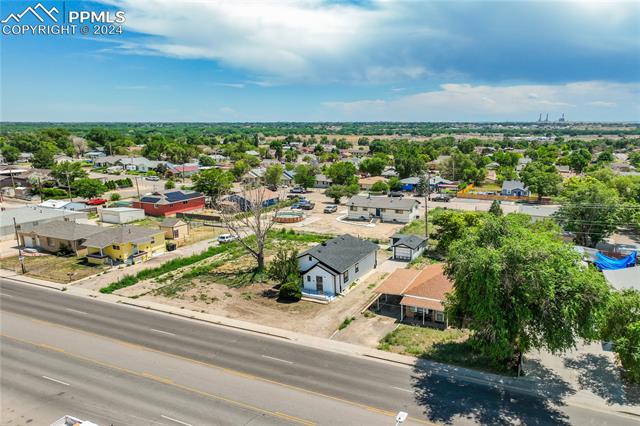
x=423, y=316
x=401, y=313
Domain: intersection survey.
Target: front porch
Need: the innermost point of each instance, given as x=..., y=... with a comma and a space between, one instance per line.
x=390, y=305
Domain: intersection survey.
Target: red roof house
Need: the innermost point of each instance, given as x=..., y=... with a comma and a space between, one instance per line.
x=168, y=203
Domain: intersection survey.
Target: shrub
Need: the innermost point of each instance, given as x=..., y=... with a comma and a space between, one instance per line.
x=346, y=323
x=115, y=196
x=291, y=290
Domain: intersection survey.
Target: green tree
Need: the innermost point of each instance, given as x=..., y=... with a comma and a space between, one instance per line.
x=10, y=153
x=579, y=160
x=88, y=188
x=605, y=157
x=206, y=161
x=239, y=169
x=284, y=264
x=336, y=192
x=305, y=176
x=213, y=183
x=342, y=173
x=68, y=171
x=541, y=178
x=495, y=208
x=634, y=159
x=589, y=209
x=114, y=197
x=273, y=175
x=43, y=158
x=518, y=289
x=452, y=226
x=379, y=187
x=373, y=166
x=621, y=325
x=169, y=184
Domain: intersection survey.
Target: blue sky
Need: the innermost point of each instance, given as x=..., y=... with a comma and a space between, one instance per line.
x=315, y=60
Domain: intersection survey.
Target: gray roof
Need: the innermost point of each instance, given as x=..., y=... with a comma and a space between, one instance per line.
x=120, y=235
x=322, y=178
x=510, y=185
x=382, y=202
x=410, y=180
x=340, y=253
x=411, y=241
x=625, y=278
x=66, y=230
x=30, y=214
x=171, y=222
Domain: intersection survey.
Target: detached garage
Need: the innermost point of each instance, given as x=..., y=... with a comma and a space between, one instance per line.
x=407, y=247
x=121, y=215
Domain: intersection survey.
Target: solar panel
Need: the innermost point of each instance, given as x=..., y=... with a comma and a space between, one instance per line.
x=150, y=199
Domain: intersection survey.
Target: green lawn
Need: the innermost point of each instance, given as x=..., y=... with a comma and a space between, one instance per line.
x=54, y=268
x=447, y=346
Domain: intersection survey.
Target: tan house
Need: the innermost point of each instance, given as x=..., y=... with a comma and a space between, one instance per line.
x=368, y=182
x=174, y=229
x=418, y=293
x=59, y=236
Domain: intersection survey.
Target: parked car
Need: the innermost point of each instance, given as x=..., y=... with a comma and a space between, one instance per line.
x=297, y=190
x=443, y=198
x=332, y=208
x=226, y=238
x=396, y=194
x=307, y=205
x=295, y=197
x=296, y=206
x=152, y=178
x=96, y=202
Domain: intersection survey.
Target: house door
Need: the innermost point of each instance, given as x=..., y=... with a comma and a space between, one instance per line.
x=377, y=212
x=319, y=288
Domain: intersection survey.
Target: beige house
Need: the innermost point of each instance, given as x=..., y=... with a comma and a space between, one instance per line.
x=59, y=236
x=174, y=229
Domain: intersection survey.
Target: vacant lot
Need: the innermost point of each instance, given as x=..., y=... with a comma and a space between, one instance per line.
x=53, y=268
x=227, y=284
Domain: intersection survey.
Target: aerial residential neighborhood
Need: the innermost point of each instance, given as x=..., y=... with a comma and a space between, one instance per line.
x=320, y=213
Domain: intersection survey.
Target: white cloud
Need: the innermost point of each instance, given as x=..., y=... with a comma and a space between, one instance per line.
x=462, y=102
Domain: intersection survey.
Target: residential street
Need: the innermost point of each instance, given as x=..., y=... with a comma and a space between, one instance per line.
x=119, y=362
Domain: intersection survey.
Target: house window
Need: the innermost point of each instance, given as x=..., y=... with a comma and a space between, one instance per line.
x=153, y=240
x=439, y=316
x=357, y=268
x=184, y=202
x=353, y=208
x=383, y=210
x=346, y=276
x=364, y=209
x=116, y=247
x=49, y=241
x=308, y=278
x=310, y=258
x=155, y=206
x=399, y=211
x=413, y=309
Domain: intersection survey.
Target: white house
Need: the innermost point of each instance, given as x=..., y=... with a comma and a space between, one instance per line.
x=407, y=247
x=121, y=215
x=387, y=209
x=514, y=188
x=331, y=267
x=322, y=181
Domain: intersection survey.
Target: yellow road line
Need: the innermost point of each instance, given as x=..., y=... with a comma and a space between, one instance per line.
x=164, y=381
x=229, y=370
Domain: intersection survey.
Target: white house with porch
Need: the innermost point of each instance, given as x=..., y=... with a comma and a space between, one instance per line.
x=331, y=267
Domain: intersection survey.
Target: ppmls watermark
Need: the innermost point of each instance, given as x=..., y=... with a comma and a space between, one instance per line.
x=42, y=20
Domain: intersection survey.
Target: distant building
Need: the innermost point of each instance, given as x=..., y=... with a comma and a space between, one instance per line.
x=30, y=216
x=174, y=228
x=322, y=181
x=387, y=209
x=407, y=247
x=121, y=215
x=514, y=188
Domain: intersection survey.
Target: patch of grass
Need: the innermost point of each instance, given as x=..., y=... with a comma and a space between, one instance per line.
x=167, y=267
x=247, y=296
x=450, y=346
x=61, y=269
x=346, y=323
x=291, y=235
x=368, y=314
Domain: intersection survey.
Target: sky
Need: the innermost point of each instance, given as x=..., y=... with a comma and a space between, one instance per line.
x=328, y=60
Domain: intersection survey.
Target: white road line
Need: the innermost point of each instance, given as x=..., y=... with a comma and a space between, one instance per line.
x=163, y=332
x=174, y=420
x=75, y=310
x=401, y=389
x=57, y=381
x=277, y=359
x=5, y=295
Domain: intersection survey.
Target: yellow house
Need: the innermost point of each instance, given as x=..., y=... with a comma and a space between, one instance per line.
x=124, y=244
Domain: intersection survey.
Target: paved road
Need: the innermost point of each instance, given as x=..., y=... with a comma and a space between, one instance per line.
x=332, y=379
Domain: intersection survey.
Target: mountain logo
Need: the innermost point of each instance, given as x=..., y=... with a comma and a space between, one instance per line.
x=33, y=11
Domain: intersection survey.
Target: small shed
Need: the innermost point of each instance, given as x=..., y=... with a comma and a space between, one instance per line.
x=174, y=228
x=121, y=215
x=407, y=247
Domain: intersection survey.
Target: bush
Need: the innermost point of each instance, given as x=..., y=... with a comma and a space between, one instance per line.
x=380, y=186
x=115, y=197
x=53, y=193
x=291, y=290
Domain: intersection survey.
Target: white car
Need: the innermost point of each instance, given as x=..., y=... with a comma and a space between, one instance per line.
x=152, y=178
x=226, y=238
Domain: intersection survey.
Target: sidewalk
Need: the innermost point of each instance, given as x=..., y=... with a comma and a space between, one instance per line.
x=550, y=386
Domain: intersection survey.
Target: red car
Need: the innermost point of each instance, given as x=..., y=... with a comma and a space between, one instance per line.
x=96, y=202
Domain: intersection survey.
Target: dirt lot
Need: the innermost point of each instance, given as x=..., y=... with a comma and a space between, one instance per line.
x=226, y=285
x=323, y=223
x=53, y=268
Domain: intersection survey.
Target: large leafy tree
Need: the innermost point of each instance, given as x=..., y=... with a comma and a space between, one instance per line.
x=68, y=171
x=520, y=289
x=10, y=153
x=621, y=325
x=88, y=188
x=373, y=166
x=305, y=176
x=338, y=191
x=342, y=173
x=589, y=209
x=541, y=178
x=452, y=226
x=43, y=157
x=273, y=175
x=213, y=183
x=579, y=160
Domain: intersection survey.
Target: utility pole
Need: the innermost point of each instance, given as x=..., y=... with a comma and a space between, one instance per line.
x=137, y=187
x=426, y=207
x=68, y=186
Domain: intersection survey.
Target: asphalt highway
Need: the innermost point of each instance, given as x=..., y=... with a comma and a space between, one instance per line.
x=127, y=365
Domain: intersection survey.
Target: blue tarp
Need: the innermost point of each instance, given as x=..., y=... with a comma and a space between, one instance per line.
x=605, y=262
